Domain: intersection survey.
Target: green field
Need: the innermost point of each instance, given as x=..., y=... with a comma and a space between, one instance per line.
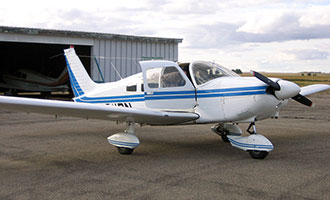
x=298, y=78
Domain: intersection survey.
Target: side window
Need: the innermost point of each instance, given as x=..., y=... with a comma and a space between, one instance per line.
x=164, y=77
x=153, y=77
x=131, y=88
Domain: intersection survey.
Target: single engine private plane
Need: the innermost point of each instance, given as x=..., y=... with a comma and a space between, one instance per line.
x=167, y=93
x=33, y=81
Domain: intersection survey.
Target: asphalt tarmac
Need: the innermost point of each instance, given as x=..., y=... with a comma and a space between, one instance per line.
x=69, y=158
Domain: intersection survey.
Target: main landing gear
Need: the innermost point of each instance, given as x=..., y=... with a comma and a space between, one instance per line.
x=257, y=145
x=125, y=142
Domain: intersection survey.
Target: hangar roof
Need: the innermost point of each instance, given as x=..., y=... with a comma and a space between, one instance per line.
x=81, y=34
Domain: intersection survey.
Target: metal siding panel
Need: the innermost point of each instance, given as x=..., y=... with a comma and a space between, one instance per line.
x=129, y=59
x=107, y=72
x=101, y=58
x=153, y=50
x=134, y=57
x=117, y=58
x=158, y=52
x=167, y=51
x=150, y=49
x=111, y=52
x=123, y=59
x=138, y=55
x=162, y=50
x=113, y=60
x=147, y=50
x=144, y=50
x=96, y=53
x=126, y=54
x=172, y=51
x=176, y=53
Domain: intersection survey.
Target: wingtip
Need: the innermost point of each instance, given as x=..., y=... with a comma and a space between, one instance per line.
x=252, y=72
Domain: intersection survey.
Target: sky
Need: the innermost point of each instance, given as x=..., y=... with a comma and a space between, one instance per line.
x=262, y=35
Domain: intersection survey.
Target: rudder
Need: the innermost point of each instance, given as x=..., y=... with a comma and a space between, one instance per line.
x=80, y=81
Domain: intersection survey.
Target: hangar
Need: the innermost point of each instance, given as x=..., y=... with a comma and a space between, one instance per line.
x=101, y=53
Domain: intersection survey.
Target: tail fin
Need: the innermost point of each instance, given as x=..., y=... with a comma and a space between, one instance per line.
x=81, y=83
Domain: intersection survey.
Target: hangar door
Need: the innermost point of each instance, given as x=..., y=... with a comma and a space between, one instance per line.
x=46, y=59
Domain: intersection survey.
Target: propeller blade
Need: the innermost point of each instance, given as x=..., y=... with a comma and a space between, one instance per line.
x=303, y=100
x=266, y=80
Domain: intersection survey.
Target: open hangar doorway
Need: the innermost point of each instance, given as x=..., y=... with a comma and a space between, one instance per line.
x=46, y=59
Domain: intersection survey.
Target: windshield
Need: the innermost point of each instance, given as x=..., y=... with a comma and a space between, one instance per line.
x=206, y=71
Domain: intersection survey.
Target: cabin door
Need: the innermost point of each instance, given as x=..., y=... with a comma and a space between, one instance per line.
x=167, y=87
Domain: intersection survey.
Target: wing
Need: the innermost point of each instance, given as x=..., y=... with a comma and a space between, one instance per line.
x=92, y=111
x=311, y=89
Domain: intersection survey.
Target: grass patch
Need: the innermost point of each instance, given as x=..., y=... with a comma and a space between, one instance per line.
x=298, y=78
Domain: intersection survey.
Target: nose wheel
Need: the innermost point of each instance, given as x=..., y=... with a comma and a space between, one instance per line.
x=258, y=154
x=125, y=151
x=257, y=145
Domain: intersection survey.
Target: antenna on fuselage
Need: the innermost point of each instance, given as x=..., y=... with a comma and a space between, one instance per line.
x=116, y=71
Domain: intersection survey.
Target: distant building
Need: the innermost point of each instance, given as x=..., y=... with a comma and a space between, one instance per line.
x=310, y=73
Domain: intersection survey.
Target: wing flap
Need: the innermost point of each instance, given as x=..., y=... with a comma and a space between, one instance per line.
x=93, y=111
x=311, y=89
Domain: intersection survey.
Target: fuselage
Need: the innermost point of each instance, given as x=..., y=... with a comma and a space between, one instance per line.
x=226, y=98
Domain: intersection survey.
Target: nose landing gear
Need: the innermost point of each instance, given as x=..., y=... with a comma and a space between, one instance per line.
x=257, y=154
x=257, y=145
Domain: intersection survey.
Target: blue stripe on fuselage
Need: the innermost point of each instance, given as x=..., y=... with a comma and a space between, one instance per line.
x=170, y=95
x=233, y=89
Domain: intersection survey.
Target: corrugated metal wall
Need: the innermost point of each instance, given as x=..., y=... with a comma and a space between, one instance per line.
x=125, y=54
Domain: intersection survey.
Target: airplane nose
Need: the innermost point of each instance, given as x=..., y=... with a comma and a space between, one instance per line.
x=287, y=90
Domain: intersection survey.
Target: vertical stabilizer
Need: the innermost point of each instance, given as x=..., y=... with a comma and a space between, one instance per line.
x=81, y=83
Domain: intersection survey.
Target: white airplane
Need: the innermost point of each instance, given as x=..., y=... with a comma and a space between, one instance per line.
x=29, y=80
x=166, y=93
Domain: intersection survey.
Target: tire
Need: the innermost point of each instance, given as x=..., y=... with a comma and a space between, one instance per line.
x=125, y=151
x=258, y=154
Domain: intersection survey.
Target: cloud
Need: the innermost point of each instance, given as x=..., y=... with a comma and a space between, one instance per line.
x=309, y=54
x=284, y=27
x=233, y=31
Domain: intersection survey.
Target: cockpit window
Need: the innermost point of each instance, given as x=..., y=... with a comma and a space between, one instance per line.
x=206, y=71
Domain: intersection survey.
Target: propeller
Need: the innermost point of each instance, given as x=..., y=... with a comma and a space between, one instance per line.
x=302, y=99
x=283, y=89
x=266, y=80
